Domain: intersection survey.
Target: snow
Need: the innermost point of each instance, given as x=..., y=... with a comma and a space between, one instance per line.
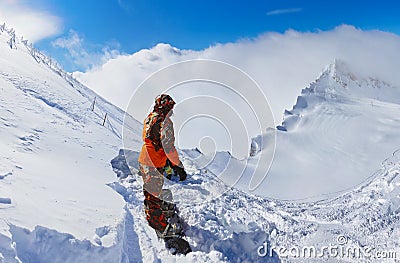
x=234, y=225
x=70, y=192
x=55, y=153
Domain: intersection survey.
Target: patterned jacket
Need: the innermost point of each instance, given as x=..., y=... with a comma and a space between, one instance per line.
x=159, y=139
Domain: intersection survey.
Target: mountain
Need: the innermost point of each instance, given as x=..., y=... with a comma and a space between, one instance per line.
x=334, y=138
x=67, y=193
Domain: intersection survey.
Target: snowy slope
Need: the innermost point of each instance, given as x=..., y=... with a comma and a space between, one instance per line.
x=338, y=133
x=54, y=163
x=335, y=137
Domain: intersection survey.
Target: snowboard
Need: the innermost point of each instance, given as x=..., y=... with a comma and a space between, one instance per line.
x=174, y=233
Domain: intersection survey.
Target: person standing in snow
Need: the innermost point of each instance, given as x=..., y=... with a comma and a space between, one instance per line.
x=158, y=147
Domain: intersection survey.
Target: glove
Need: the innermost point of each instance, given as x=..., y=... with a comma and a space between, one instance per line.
x=168, y=172
x=179, y=170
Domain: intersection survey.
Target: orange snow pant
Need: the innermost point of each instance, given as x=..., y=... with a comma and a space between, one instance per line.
x=153, y=180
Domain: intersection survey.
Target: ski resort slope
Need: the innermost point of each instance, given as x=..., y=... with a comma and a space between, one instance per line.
x=70, y=193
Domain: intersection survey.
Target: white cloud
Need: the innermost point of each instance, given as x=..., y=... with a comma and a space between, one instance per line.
x=284, y=11
x=71, y=42
x=28, y=21
x=85, y=55
x=282, y=64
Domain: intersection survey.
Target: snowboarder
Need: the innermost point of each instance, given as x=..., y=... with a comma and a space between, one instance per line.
x=158, y=147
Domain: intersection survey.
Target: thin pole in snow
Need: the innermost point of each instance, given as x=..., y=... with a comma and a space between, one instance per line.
x=94, y=102
x=105, y=117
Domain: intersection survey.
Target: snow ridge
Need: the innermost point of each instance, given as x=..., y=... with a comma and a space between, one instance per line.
x=339, y=85
x=102, y=106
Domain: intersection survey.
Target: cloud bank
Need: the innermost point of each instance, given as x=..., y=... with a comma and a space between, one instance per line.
x=281, y=63
x=28, y=21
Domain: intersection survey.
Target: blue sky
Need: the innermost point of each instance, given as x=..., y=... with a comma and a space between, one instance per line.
x=126, y=26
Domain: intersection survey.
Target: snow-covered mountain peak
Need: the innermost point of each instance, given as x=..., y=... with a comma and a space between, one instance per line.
x=338, y=69
x=335, y=136
x=340, y=82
